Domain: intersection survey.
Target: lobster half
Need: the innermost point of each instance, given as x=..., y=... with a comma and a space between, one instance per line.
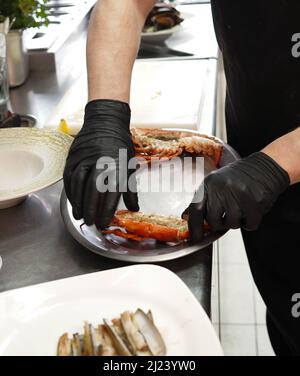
x=138, y=226
x=162, y=143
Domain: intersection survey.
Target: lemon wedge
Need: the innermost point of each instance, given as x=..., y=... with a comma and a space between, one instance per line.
x=63, y=126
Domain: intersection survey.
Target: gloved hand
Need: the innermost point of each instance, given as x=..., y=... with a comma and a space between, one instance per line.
x=104, y=133
x=237, y=195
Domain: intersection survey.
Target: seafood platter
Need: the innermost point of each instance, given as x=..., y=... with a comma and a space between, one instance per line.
x=159, y=231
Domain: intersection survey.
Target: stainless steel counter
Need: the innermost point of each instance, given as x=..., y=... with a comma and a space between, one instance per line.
x=34, y=245
x=35, y=248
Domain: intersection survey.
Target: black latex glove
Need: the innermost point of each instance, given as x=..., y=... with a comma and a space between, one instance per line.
x=104, y=133
x=237, y=195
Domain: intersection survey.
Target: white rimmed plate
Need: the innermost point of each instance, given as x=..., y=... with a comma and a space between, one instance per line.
x=33, y=318
x=30, y=160
x=159, y=37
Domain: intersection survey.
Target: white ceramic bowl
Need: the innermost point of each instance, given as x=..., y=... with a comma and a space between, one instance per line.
x=30, y=160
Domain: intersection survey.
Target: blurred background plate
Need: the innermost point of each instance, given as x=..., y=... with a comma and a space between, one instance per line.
x=163, y=203
x=30, y=160
x=159, y=37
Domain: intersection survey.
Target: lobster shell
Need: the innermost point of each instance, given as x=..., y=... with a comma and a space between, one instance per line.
x=138, y=228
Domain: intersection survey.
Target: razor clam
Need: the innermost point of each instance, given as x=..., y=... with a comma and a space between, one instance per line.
x=76, y=345
x=150, y=332
x=120, y=346
x=88, y=348
x=107, y=346
x=150, y=315
x=120, y=330
x=135, y=338
x=64, y=346
x=93, y=341
x=96, y=340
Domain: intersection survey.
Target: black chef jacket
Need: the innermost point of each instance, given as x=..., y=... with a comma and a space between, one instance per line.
x=258, y=39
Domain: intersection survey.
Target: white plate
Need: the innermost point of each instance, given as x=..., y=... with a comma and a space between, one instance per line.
x=30, y=160
x=158, y=37
x=33, y=318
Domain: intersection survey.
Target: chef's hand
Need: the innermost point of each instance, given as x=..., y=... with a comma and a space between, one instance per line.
x=237, y=195
x=105, y=131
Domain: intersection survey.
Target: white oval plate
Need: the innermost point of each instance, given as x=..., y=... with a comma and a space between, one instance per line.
x=33, y=318
x=30, y=160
